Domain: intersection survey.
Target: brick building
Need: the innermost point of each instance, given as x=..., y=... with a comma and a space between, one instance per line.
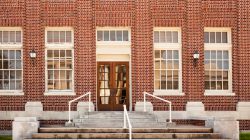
x=117, y=49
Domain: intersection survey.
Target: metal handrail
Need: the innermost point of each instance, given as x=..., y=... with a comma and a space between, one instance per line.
x=88, y=93
x=170, y=104
x=125, y=123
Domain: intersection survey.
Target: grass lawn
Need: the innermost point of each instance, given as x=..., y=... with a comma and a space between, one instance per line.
x=245, y=136
x=5, y=137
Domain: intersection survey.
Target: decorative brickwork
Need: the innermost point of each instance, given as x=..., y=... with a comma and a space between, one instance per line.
x=141, y=15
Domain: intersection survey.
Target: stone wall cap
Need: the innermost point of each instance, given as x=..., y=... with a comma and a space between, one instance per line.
x=195, y=104
x=26, y=119
x=33, y=104
x=225, y=119
x=243, y=104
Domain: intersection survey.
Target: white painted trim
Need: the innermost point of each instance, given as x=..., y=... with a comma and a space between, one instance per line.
x=11, y=92
x=168, y=93
x=113, y=50
x=218, y=93
x=59, y=93
x=112, y=58
x=113, y=43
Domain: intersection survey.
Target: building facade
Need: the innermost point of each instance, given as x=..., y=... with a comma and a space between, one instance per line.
x=117, y=49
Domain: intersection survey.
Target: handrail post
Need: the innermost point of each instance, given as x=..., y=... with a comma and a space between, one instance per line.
x=124, y=117
x=69, y=112
x=130, y=133
x=144, y=101
x=170, y=112
x=89, y=101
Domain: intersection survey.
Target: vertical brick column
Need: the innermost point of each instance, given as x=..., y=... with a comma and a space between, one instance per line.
x=142, y=50
x=244, y=50
x=85, y=51
x=192, y=37
x=33, y=75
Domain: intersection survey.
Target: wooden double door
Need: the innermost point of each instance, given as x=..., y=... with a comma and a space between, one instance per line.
x=113, y=85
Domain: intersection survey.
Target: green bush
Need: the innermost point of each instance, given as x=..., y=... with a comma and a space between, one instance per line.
x=5, y=137
x=245, y=136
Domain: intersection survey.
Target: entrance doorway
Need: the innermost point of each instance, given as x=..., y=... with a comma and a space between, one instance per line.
x=112, y=86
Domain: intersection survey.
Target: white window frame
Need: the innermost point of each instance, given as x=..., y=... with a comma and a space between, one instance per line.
x=58, y=46
x=221, y=46
x=114, y=43
x=18, y=46
x=170, y=46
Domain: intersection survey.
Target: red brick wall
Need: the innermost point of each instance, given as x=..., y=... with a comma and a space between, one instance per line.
x=141, y=15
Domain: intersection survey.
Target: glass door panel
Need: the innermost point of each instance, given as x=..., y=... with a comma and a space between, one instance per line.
x=112, y=85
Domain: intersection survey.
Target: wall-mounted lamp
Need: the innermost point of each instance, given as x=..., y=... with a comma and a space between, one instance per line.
x=196, y=56
x=33, y=56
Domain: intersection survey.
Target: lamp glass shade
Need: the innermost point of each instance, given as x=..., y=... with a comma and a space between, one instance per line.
x=196, y=55
x=32, y=54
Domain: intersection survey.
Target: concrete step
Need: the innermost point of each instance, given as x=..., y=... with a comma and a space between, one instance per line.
x=108, y=124
x=126, y=136
x=115, y=114
x=81, y=120
x=122, y=130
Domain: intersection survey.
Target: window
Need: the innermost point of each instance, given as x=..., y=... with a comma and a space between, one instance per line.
x=11, y=71
x=217, y=61
x=113, y=35
x=59, y=37
x=59, y=60
x=167, y=61
x=10, y=36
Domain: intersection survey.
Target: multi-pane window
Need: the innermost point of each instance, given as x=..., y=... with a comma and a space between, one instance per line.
x=167, y=50
x=59, y=37
x=113, y=35
x=166, y=69
x=59, y=67
x=216, y=69
x=59, y=59
x=217, y=59
x=10, y=37
x=215, y=37
x=165, y=37
x=11, y=71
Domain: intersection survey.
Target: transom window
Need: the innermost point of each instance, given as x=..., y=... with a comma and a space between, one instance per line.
x=113, y=35
x=10, y=37
x=167, y=61
x=217, y=61
x=59, y=37
x=59, y=59
x=215, y=37
x=165, y=37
